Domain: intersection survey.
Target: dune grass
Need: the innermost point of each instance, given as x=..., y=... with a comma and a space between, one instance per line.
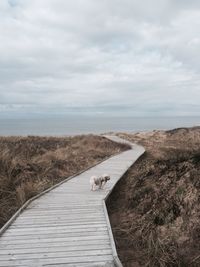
x=155, y=208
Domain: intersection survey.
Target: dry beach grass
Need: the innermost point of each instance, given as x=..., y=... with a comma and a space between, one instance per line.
x=155, y=208
x=29, y=165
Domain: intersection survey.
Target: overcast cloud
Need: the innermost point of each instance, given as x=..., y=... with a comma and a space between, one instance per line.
x=116, y=56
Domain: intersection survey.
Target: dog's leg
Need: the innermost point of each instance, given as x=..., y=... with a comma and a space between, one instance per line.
x=94, y=187
x=102, y=185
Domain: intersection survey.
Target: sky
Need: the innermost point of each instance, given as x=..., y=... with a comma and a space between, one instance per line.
x=108, y=57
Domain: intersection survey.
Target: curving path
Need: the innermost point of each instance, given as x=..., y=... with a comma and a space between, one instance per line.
x=69, y=225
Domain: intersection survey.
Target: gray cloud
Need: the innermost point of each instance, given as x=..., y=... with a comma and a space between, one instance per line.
x=102, y=56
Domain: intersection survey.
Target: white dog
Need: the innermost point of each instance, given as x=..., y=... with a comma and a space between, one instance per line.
x=98, y=181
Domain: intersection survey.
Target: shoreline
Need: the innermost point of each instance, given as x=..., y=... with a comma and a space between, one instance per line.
x=91, y=125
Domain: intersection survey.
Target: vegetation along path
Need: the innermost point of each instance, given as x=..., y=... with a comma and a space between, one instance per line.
x=69, y=225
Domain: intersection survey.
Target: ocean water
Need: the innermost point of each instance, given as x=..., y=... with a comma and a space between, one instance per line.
x=72, y=125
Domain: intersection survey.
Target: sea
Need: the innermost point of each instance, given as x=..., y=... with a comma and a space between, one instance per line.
x=76, y=125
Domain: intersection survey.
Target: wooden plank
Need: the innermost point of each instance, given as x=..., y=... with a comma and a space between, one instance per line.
x=61, y=234
x=67, y=221
x=31, y=250
x=59, y=220
x=60, y=223
x=49, y=203
x=94, y=264
x=61, y=211
x=95, y=227
x=58, y=254
x=54, y=239
x=57, y=208
x=76, y=202
x=63, y=243
x=56, y=230
x=65, y=216
x=76, y=259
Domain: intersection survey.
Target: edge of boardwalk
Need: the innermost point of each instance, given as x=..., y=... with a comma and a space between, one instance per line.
x=117, y=261
x=113, y=138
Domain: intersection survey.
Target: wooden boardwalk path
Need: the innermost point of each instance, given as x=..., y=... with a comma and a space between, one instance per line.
x=68, y=226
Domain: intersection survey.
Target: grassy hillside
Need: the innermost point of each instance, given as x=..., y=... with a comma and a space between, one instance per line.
x=155, y=208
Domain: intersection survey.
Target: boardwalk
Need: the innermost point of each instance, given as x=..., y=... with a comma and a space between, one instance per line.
x=67, y=226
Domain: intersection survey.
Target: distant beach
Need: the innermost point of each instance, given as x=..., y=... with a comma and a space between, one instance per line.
x=74, y=125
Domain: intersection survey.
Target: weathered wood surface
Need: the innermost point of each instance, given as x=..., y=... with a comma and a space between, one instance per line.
x=67, y=226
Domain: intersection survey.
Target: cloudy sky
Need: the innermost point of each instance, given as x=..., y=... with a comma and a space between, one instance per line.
x=127, y=57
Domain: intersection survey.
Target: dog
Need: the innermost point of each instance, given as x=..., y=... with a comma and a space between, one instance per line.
x=98, y=182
